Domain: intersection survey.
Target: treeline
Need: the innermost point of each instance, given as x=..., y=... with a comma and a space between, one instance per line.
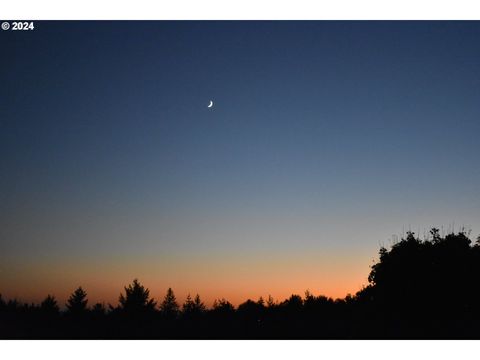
x=419, y=289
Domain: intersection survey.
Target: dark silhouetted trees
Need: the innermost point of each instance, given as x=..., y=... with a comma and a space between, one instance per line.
x=270, y=302
x=169, y=306
x=199, y=305
x=136, y=299
x=223, y=306
x=418, y=289
x=77, y=302
x=294, y=303
x=99, y=309
x=425, y=288
x=49, y=306
x=193, y=308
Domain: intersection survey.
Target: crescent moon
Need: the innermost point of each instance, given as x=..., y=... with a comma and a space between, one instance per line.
x=211, y=104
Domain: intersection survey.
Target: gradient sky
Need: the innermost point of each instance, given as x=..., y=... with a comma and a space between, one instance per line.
x=326, y=139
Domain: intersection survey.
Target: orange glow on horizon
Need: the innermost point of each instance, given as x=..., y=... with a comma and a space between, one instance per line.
x=234, y=277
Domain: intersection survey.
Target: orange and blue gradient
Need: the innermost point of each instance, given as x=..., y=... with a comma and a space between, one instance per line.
x=326, y=138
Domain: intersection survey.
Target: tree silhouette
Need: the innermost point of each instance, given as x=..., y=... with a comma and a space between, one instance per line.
x=270, y=302
x=252, y=310
x=193, y=308
x=223, y=306
x=418, y=289
x=199, y=305
x=432, y=284
x=49, y=305
x=13, y=305
x=77, y=302
x=99, y=309
x=169, y=306
x=222, y=315
x=188, y=304
x=136, y=299
x=293, y=303
x=316, y=303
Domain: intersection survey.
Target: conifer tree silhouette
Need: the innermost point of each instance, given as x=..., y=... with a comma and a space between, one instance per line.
x=199, y=305
x=169, y=306
x=188, y=305
x=223, y=306
x=136, y=299
x=99, y=309
x=270, y=302
x=193, y=308
x=419, y=289
x=77, y=302
x=49, y=305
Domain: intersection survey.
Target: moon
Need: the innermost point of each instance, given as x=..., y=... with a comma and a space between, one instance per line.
x=211, y=104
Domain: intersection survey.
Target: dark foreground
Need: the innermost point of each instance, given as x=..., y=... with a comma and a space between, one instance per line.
x=417, y=290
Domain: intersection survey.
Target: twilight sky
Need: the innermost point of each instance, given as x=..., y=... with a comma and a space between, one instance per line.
x=326, y=139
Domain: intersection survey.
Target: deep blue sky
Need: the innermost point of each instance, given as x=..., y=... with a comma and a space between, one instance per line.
x=326, y=138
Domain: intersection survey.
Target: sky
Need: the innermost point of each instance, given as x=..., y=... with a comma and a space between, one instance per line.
x=326, y=141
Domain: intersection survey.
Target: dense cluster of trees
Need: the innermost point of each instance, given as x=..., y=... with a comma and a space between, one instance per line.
x=418, y=289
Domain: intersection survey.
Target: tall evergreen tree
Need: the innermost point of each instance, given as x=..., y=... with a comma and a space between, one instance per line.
x=188, y=306
x=136, y=298
x=199, y=305
x=77, y=302
x=193, y=307
x=169, y=306
x=49, y=305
